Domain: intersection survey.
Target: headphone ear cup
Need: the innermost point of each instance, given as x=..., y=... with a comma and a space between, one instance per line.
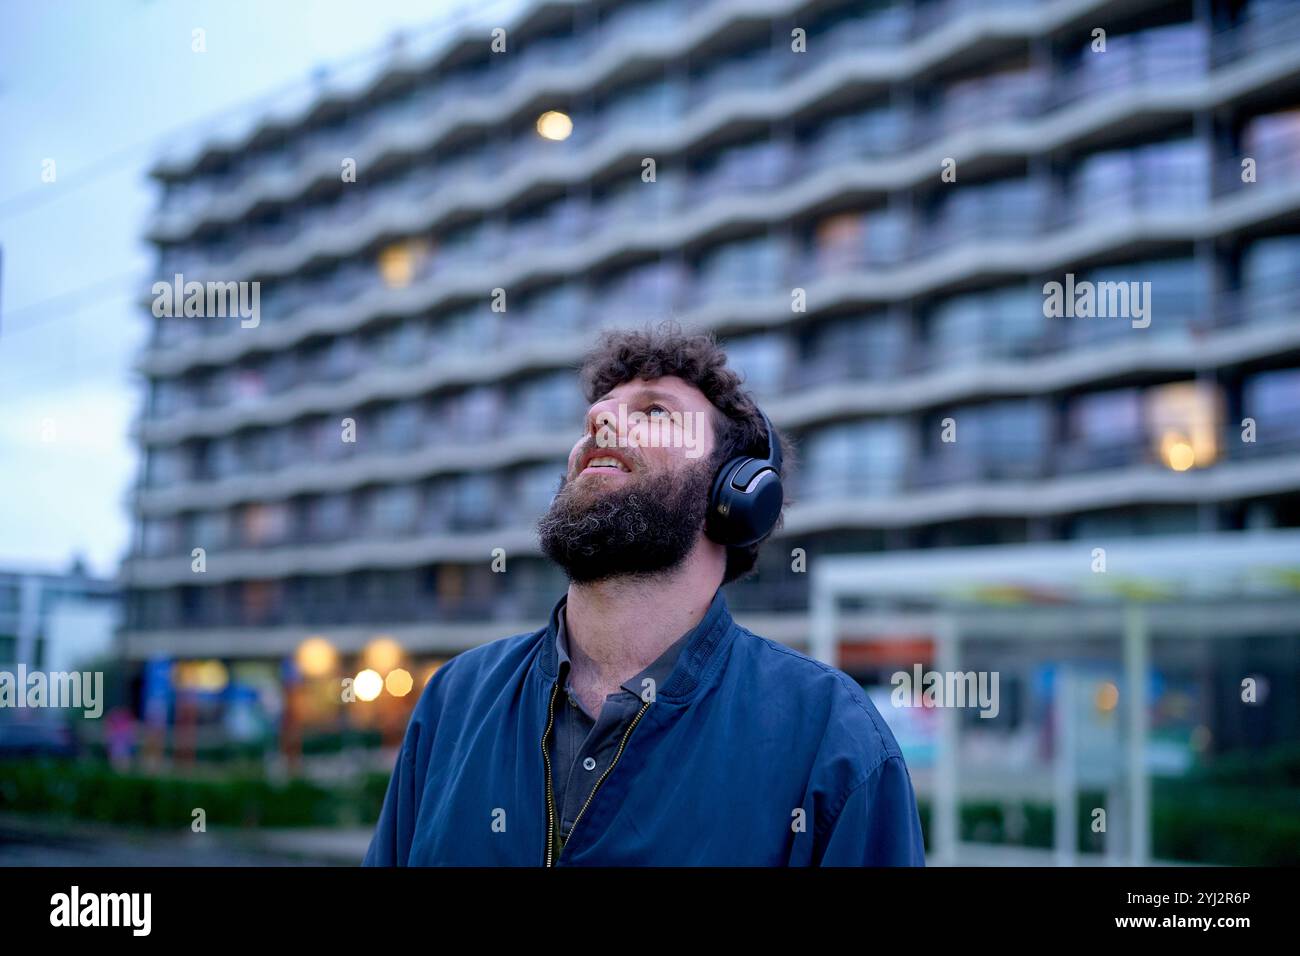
x=762, y=500
x=719, y=522
x=746, y=499
x=739, y=517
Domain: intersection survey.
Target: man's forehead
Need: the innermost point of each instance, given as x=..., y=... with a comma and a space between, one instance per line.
x=667, y=387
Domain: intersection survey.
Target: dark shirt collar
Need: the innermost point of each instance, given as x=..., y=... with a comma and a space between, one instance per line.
x=677, y=672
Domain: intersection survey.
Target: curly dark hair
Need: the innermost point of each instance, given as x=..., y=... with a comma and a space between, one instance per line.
x=621, y=355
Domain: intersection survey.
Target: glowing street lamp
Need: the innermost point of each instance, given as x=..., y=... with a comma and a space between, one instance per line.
x=399, y=682
x=368, y=685
x=382, y=654
x=316, y=657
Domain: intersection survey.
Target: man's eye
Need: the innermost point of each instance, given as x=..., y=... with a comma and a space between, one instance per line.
x=657, y=408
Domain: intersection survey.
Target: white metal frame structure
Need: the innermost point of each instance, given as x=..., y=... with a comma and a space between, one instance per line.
x=1222, y=585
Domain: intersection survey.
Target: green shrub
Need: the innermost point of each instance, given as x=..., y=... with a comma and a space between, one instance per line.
x=93, y=791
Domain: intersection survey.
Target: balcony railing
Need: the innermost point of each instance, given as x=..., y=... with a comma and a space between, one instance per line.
x=336, y=605
x=1021, y=462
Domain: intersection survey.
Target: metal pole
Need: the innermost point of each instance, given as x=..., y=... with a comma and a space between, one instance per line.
x=1139, y=786
x=1066, y=783
x=822, y=640
x=944, y=811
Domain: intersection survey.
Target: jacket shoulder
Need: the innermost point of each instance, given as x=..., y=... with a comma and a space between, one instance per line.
x=841, y=708
x=493, y=653
x=479, y=669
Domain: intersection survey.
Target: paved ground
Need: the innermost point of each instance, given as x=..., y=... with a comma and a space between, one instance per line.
x=27, y=841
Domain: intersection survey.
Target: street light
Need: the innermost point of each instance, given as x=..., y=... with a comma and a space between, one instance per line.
x=382, y=654
x=316, y=657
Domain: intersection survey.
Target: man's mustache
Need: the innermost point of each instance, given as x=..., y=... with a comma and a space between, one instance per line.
x=591, y=446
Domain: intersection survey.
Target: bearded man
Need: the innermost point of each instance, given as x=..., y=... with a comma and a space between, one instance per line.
x=642, y=726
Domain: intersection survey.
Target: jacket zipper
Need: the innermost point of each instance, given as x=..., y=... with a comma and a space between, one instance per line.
x=550, y=800
x=546, y=758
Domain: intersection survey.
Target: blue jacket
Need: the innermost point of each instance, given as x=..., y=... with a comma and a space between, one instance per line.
x=751, y=754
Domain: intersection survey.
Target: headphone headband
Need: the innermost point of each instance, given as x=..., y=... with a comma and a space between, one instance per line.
x=773, y=445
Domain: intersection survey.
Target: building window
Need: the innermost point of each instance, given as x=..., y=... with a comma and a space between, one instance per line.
x=1004, y=322
x=857, y=458
x=1105, y=430
x=327, y=516
x=746, y=267
x=159, y=536
x=399, y=425
x=849, y=241
x=473, y=504
x=260, y=601
x=545, y=402
x=996, y=440
x=401, y=261
x=535, y=486
x=264, y=523
x=1185, y=420
x=858, y=347
x=762, y=360
x=1272, y=399
x=1271, y=279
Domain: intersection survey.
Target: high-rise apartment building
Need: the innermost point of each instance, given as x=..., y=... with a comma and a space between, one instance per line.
x=864, y=199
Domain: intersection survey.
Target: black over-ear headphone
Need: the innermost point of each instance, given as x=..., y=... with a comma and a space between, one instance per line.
x=747, y=496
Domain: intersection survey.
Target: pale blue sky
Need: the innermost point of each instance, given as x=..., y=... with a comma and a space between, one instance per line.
x=102, y=87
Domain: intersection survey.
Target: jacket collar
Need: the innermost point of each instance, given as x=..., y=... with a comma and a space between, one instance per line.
x=701, y=648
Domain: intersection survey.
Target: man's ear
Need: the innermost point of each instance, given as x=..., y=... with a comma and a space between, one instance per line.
x=721, y=428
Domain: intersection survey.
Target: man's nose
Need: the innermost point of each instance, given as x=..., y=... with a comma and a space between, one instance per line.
x=603, y=423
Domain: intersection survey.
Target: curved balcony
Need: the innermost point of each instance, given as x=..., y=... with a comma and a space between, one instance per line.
x=963, y=500
x=926, y=272
x=837, y=396
x=968, y=26
x=879, y=176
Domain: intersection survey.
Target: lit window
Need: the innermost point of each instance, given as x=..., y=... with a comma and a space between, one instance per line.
x=1184, y=420
x=554, y=125
x=399, y=262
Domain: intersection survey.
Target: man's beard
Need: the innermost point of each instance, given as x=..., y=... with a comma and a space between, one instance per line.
x=640, y=527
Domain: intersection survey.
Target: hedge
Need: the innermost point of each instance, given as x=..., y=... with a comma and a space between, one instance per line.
x=1207, y=818
x=93, y=791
